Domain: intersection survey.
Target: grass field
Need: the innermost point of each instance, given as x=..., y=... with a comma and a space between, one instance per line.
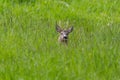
x=29, y=48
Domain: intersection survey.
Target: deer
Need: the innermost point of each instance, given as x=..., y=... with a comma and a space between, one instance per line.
x=63, y=34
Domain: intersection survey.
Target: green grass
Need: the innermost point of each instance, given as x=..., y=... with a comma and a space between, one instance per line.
x=29, y=49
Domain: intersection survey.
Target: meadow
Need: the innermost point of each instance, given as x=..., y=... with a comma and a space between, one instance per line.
x=29, y=48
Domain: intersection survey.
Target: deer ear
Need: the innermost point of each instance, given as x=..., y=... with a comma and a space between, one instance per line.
x=58, y=29
x=70, y=29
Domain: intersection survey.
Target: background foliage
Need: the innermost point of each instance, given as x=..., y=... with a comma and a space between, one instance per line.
x=28, y=41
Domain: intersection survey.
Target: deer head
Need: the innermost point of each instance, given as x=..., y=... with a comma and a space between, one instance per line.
x=63, y=37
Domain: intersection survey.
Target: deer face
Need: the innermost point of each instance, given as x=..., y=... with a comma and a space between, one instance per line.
x=63, y=34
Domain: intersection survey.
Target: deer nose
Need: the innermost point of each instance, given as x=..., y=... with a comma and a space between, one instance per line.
x=65, y=37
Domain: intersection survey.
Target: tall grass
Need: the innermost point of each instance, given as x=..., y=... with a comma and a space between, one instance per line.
x=28, y=41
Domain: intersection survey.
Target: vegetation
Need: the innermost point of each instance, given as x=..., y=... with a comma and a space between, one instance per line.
x=29, y=49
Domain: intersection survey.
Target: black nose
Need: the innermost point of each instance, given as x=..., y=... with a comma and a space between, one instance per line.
x=65, y=37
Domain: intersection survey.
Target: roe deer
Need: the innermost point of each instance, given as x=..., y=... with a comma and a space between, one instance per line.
x=63, y=37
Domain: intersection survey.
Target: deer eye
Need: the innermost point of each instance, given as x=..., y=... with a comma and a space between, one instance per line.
x=67, y=33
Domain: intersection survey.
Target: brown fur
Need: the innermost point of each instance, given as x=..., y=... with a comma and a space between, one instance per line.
x=63, y=37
